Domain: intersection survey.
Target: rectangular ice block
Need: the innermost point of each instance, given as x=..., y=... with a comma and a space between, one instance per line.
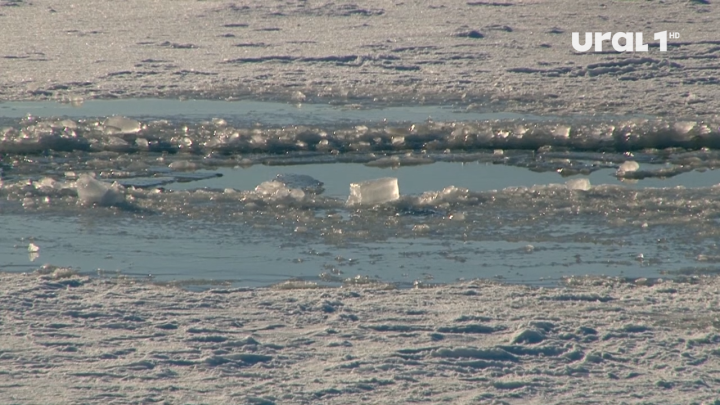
x=372, y=192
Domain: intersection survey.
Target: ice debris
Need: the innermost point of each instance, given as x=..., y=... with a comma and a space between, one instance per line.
x=276, y=190
x=183, y=165
x=372, y=192
x=578, y=184
x=627, y=167
x=303, y=182
x=91, y=191
x=118, y=125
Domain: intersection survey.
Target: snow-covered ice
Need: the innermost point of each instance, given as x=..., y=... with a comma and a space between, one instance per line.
x=593, y=341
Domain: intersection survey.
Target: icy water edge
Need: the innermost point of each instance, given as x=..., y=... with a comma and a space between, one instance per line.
x=482, y=195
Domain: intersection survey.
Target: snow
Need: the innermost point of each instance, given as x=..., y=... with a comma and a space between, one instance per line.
x=593, y=341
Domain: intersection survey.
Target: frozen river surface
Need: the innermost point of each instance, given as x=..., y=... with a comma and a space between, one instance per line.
x=173, y=193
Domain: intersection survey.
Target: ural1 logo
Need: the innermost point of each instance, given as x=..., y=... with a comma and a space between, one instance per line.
x=629, y=37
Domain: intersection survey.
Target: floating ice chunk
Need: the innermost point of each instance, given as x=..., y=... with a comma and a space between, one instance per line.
x=274, y=190
x=458, y=216
x=113, y=143
x=142, y=143
x=91, y=191
x=303, y=182
x=627, y=167
x=578, y=184
x=373, y=192
x=450, y=194
x=561, y=131
x=684, y=127
x=46, y=183
x=121, y=125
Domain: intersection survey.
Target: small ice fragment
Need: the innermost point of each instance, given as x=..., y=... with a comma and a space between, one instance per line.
x=643, y=281
x=142, y=143
x=62, y=272
x=33, y=248
x=562, y=131
x=298, y=96
x=121, y=125
x=578, y=184
x=421, y=228
x=683, y=127
x=46, y=184
x=116, y=144
x=628, y=166
x=529, y=248
x=458, y=216
x=373, y=192
x=91, y=191
x=182, y=165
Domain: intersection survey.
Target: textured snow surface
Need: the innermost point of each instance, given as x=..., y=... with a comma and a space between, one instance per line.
x=593, y=341
x=503, y=55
